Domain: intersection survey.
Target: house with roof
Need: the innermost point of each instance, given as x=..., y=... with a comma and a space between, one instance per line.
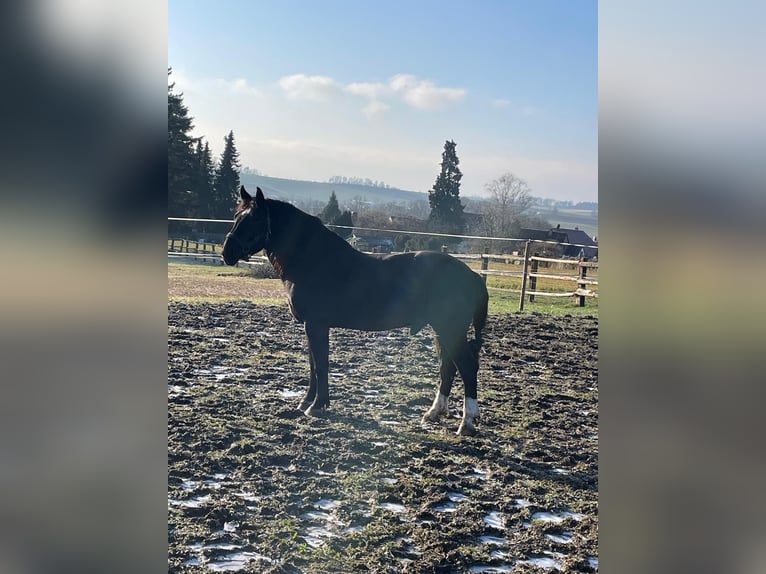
x=371, y=243
x=585, y=245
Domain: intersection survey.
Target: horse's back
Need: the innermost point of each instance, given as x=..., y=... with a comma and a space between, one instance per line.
x=446, y=272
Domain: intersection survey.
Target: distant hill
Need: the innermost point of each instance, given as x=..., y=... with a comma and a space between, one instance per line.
x=298, y=190
x=583, y=219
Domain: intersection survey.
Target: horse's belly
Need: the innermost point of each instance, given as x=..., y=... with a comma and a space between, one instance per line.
x=371, y=315
x=381, y=323
x=367, y=315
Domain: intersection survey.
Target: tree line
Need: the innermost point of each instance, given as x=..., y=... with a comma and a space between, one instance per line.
x=198, y=185
x=502, y=214
x=342, y=179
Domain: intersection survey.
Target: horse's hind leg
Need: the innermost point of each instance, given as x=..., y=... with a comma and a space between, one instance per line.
x=447, y=370
x=467, y=361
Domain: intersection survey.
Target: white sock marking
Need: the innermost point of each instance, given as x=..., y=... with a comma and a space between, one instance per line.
x=438, y=408
x=440, y=403
x=470, y=409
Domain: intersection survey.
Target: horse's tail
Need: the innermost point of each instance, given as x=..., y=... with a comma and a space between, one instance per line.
x=480, y=319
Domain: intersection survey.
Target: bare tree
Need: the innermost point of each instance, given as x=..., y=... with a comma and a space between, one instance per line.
x=509, y=197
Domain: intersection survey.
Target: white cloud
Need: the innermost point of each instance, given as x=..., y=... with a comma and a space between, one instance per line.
x=375, y=108
x=403, y=82
x=312, y=88
x=420, y=94
x=426, y=96
x=368, y=90
x=501, y=103
x=239, y=86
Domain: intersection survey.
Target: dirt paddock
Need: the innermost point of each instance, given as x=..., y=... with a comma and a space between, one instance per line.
x=254, y=485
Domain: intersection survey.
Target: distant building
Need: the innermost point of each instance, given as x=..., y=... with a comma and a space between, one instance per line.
x=563, y=235
x=407, y=223
x=371, y=243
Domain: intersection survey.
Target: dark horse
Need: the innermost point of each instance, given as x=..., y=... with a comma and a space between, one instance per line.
x=331, y=284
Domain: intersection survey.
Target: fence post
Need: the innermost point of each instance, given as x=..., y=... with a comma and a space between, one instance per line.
x=172, y=244
x=533, y=280
x=524, y=276
x=581, y=285
x=485, y=264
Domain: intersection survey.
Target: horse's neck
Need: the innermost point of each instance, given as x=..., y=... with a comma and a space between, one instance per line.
x=293, y=256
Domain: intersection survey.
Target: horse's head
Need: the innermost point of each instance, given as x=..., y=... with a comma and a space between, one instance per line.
x=252, y=228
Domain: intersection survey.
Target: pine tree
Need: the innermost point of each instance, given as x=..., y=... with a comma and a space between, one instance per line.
x=444, y=198
x=226, y=185
x=204, y=178
x=345, y=220
x=180, y=156
x=331, y=211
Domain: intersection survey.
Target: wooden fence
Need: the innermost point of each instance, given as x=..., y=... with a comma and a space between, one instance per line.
x=530, y=271
x=187, y=250
x=530, y=265
x=189, y=246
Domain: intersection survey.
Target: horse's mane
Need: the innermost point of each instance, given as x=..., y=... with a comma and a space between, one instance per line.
x=242, y=206
x=283, y=214
x=279, y=207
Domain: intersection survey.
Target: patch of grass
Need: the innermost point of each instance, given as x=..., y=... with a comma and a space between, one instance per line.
x=503, y=302
x=195, y=283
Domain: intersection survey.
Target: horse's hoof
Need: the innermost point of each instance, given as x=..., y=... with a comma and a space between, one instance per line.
x=466, y=429
x=313, y=411
x=428, y=418
x=432, y=416
x=305, y=404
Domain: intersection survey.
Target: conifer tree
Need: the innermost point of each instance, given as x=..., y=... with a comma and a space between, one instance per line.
x=204, y=178
x=180, y=156
x=331, y=211
x=444, y=198
x=226, y=185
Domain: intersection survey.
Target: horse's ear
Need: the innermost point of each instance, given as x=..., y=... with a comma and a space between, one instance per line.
x=244, y=195
x=259, y=199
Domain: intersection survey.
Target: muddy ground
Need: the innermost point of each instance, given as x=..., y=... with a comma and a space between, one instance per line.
x=254, y=485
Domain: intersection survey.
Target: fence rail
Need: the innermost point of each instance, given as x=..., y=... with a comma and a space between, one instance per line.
x=529, y=264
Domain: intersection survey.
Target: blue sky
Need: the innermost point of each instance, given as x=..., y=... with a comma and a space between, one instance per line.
x=368, y=89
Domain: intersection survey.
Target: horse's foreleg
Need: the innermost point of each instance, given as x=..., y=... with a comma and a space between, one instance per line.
x=319, y=347
x=311, y=392
x=467, y=362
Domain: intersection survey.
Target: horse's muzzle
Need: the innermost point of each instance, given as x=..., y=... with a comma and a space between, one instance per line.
x=232, y=250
